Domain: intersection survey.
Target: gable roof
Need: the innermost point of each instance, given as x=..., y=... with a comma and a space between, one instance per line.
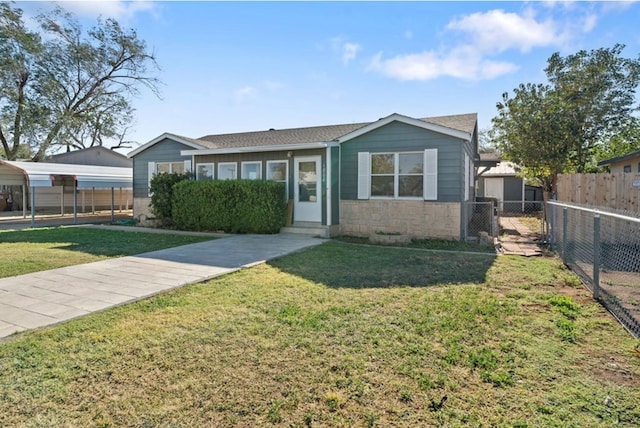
x=619, y=158
x=461, y=126
x=97, y=155
x=178, y=138
x=448, y=125
x=502, y=169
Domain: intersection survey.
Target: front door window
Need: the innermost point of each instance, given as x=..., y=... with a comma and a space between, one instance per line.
x=307, y=182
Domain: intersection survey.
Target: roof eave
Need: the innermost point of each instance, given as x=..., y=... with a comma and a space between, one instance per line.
x=410, y=121
x=619, y=158
x=164, y=136
x=254, y=149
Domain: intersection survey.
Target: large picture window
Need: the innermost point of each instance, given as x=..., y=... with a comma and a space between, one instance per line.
x=279, y=171
x=227, y=171
x=204, y=171
x=170, y=167
x=397, y=175
x=252, y=170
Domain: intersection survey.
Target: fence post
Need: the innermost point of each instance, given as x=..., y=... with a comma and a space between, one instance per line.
x=596, y=256
x=565, y=223
x=550, y=216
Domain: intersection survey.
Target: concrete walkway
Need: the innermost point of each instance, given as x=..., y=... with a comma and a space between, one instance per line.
x=49, y=297
x=518, y=239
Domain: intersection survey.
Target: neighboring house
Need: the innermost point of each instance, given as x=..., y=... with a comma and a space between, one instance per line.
x=629, y=162
x=396, y=175
x=98, y=155
x=501, y=182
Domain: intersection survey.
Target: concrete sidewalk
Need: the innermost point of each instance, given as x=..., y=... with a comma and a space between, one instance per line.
x=518, y=239
x=49, y=297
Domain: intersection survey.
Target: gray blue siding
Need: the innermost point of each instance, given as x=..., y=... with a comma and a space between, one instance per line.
x=397, y=137
x=279, y=155
x=164, y=151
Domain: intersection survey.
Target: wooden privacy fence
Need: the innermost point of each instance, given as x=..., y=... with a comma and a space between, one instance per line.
x=619, y=191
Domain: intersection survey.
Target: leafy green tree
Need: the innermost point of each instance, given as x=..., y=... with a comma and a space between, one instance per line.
x=558, y=127
x=620, y=144
x=63, y=87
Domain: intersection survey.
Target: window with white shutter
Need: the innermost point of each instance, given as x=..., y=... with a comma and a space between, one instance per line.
x=431, y=175
x=364, y=175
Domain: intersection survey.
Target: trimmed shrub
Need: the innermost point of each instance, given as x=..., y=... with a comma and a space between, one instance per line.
x=236, y=206
x=161, y=189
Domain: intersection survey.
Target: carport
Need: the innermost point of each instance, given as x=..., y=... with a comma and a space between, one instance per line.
x=34, y=175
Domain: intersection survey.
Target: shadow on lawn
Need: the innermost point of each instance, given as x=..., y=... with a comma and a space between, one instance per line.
x=337, y=264
x=94, y=241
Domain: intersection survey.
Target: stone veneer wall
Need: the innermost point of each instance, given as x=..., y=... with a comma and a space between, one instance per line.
x=142, y=211
x=418, y=219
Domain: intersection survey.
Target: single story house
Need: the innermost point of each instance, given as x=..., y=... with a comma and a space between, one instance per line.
x=629, y=162
x=502, y=183
x=98, y=155
x=396, y=175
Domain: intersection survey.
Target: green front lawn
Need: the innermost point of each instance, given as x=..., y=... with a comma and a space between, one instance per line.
x=338, y=335
x=33, y=250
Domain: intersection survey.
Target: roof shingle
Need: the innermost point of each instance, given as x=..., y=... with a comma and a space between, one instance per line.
x=314, y=134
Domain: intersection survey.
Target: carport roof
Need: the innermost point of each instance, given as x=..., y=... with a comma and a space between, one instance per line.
x=41, y=174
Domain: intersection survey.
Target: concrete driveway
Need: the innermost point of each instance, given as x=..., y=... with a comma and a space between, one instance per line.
x=49, y=297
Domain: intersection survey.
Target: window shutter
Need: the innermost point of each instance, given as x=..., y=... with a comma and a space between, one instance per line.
x=431, y=175
x=466, y=177
x=151, y=171
x=364, y=175
x=187, y=166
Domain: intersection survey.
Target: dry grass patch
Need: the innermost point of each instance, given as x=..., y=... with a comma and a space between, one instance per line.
x=338, y=335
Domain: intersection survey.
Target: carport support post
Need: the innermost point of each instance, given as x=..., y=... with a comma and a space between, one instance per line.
x=33, y=207
x=112, y=204
x=24, y=201
x=596, y=256
x=75, y=203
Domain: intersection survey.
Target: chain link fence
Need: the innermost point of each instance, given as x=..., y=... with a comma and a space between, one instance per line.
x=603, y=248
x=484, y=215
x=481, y=220
x=529, y=213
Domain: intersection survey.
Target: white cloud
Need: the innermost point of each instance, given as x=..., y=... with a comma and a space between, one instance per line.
x=347, y=50
x=476, y=40
x=118, y=9
x=615, y=6
x=243, y=93
x=459, y=63
x=497, y=31
x=589, y=23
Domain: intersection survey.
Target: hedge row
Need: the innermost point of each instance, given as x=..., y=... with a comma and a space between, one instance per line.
x=161, y=189
x=236, y=206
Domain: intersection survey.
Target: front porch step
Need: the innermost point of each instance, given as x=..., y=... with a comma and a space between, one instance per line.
x=312, y=229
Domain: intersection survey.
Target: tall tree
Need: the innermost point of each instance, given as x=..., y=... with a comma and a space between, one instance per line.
x=19, y=50
x=620, y=144
x=77, y=85
x=557, y=128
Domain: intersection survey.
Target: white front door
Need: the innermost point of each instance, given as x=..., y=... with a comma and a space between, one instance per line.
x=307, y=193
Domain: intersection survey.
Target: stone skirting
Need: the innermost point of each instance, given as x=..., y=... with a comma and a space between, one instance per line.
x=418, y=219
x=142, y=211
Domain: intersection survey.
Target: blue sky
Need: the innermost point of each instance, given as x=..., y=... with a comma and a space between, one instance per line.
x=246, y=66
